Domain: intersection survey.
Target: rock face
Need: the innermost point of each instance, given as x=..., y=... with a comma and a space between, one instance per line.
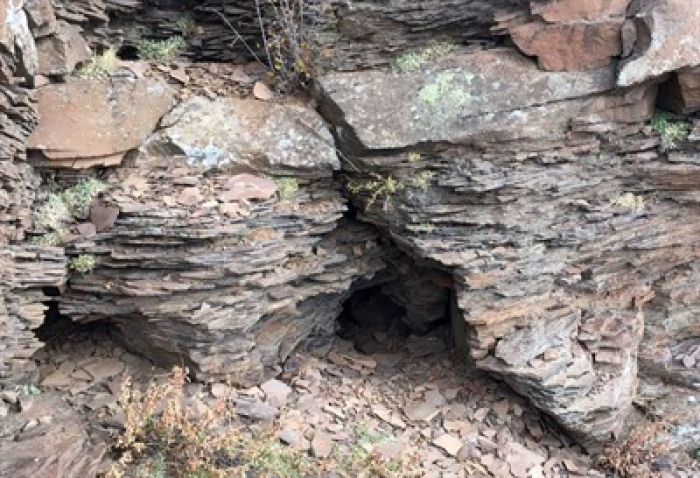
x=667, y=39
x=681, y=93
x=86, y=123
x=570, y=35
x=553, y=240
x=227, y=270
x=48, y=439
x=24, y=273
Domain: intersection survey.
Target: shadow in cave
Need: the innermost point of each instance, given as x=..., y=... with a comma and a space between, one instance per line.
x=406, y=313
x=60, y=331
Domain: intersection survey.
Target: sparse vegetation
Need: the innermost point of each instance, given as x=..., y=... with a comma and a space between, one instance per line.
x=165, y=435
x=54, y=214
x=671, y=129
x=632, y=456
x=425, y=227
x=414, y=60
x=379, y=187
x=631, y=201
x=362, y=461
x=100, y=66
x=62, y=208
x=186, y=24
x=79, y=197
x=289, y=41
x=84, y=263
x=287, y=187
x=413, y=157
x=161, y=51
x=423, y=179
x=49, y=239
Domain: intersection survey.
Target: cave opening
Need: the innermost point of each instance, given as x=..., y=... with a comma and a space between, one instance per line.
x=60, y=333
x=407, y=309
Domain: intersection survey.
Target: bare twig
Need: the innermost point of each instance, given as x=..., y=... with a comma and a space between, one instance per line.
x=240, y=38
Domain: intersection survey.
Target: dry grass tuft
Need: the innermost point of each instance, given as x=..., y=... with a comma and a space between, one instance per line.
x=167, y=436
x=632, y=456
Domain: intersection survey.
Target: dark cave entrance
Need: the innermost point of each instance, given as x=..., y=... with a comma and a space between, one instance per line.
x=58, y=331
x=407, y=310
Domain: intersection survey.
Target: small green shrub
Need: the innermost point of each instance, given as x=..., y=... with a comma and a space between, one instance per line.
x=79, y=198
x=380, y=187
x=161, y=51
x=287, y=187
x=423, y=179
x=414, y=60
x=83, y=264
x=50, y=239
x=100, y=66
x=53, y=214
x=670, y=129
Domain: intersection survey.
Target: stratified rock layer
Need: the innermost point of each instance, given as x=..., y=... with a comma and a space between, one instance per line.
x=556, y=242
x=226, y=270
x=24, y=273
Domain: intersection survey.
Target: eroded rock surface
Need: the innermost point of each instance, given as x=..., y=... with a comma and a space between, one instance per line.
x=229, y=270
x=47, y=438
x=666, y=39
x=24, y=273
x=555, y=247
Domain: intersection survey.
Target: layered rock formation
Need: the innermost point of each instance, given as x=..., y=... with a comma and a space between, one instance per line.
x=25, y=273
x=211, y=261
x=503, y=143
x=555, y=240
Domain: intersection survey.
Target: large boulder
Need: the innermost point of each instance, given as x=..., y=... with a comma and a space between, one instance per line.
x=463, y=98
x=571, y=35
x=228, y=251
x=667, y=39
x=85, y=123
x=516, y=188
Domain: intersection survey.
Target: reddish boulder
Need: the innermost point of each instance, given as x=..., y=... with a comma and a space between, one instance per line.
x=86, y=123
x=668, y=39
x=569, y=47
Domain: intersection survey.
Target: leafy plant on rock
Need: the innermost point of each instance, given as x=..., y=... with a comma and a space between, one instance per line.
x=100, y=66
x=670, y=129
x=84, y=263
x=161, y=51
x=378, y=187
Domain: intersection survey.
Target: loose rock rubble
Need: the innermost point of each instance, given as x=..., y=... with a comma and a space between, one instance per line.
x=417, y=407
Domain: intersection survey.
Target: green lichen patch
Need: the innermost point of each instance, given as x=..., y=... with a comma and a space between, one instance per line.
x=446, y=92
x=631, y=202
x=423, y=179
